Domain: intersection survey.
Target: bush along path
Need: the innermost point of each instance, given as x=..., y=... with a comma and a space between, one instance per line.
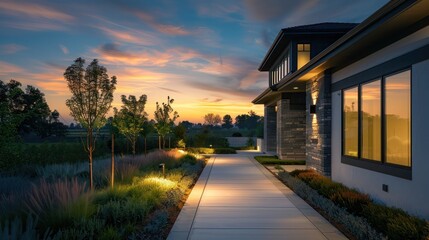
x=142, y=205
x=355, y=213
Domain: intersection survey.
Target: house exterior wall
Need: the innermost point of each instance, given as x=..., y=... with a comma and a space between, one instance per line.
x=291, y=126
x=318, y=125
x=410, y=195
x=270, y=131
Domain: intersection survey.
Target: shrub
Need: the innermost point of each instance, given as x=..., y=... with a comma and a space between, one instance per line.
x=200, y=150
x=53, y=203
x=396, y=223
x=224, y=151
x=181, y=143
x=351, y=200
x=357, y=226
x=275, y=160
x=393, y=222
x=237, y=134
x=188, y=158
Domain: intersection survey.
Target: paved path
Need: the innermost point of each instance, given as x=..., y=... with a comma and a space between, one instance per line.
x=236, y=198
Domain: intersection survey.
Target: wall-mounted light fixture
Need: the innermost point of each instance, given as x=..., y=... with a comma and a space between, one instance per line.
x=312, y=109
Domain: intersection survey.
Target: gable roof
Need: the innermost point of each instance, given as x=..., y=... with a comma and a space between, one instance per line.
x=287, y=34
x=395, y=20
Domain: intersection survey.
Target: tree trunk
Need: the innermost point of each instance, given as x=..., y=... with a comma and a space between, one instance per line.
x=134, y=148
x=159, y=142
x=145, y=144
x=90, y=150
x=112, y=178
x=169, y=141
x=163, y=142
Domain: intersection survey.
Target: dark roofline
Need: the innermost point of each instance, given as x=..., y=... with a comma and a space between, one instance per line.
x=379, y=17
x=311, y=29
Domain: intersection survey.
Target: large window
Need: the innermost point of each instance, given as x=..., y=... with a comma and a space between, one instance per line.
x=371, y=120
x=398, y=119
x=377, y=120
x=303, y=51
x=280, y=70
x=350, y=115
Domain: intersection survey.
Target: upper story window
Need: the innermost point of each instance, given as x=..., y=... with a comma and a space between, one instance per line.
x=280, y=70
x=303, y=54
x=377, y=120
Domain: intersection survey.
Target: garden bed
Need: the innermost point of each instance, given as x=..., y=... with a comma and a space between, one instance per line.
x=143, y=204
x=356, y=214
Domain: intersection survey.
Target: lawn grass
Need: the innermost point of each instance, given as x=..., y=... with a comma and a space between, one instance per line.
x=274, y=160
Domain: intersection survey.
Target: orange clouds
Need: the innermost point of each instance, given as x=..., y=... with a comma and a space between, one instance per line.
x=34, y=17
x=162, y=28
x=7, y=68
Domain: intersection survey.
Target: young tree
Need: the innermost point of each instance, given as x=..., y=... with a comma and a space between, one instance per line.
x=212, y=119
x=164, y=117
x=129, y=120
x=92, y=96
x=227, y=121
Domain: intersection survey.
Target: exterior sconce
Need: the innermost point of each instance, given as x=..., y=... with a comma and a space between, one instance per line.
x=313, y=109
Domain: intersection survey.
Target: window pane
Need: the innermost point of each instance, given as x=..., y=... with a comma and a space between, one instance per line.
x=371, y=120
x=350, y=122
x=398, y=119
x=303, y=55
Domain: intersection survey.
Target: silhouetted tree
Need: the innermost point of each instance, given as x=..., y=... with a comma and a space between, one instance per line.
x=164, y=117
x=249, y=121
x=212, y=119
x=129, y=120
x=92, y=96
x=227, y=121
x=187, y=124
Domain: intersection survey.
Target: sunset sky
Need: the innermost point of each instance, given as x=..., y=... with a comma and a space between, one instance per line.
x=204, y=54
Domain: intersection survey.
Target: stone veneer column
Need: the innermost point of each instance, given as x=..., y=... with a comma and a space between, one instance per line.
x=291, y=126
x=318, y=144
x=270, y=124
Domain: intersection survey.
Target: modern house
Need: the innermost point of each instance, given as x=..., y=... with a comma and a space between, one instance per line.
x=352, y=101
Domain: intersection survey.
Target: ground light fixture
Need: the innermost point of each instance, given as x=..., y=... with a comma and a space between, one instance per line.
x=312, y=109
x=162, y=166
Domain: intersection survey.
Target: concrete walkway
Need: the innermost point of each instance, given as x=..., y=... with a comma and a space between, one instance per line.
x=237, y=198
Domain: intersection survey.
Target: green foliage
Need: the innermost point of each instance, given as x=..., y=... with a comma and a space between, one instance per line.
x=15, y=154
x=65, y=210
x=92, y=93
x=250, y=142
x=165, y=117
x=110, y=234
x=227, y=121
x=16, y=230
x=393, y=222
x=224, y=151
x=248, y=121
x=56, y=204
x=211, y=119
x=275, y=160
x=92, y=96
x=211, y=150
x=237, y=134
x=355, y=225
x=130, y=119
x=188, y=158
x=181, y=143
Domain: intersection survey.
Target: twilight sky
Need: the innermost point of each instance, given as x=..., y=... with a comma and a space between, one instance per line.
x=204, y=54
